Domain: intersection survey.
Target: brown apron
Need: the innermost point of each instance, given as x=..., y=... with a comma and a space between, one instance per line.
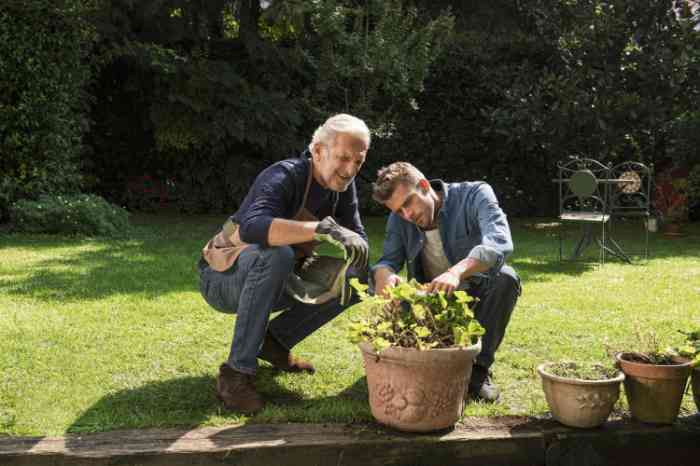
x=223, y=249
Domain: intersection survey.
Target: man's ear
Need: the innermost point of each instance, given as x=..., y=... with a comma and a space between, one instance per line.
x=317, y=151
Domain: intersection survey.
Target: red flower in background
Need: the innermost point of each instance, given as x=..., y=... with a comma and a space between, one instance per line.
x=671, y=195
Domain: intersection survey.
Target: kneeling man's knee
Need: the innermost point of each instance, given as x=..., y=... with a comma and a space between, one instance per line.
x=278, y=257
x=508, y=280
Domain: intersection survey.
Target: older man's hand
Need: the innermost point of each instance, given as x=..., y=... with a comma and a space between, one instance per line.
x=355, y=247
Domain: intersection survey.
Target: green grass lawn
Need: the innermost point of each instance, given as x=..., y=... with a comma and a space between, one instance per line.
x=101, y=334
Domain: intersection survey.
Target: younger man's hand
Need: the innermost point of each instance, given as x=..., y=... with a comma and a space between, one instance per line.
x=387, y=284
x=447, y=282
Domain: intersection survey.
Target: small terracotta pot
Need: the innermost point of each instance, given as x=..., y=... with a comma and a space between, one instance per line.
x=577, y=402
x=654, y=392
x=695, y=382
x=418, y=390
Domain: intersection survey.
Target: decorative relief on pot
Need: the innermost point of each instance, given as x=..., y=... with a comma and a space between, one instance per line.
x=403, y=404
x=384, y=393
x=594, y=400
x=443, y=396
x=413, y=404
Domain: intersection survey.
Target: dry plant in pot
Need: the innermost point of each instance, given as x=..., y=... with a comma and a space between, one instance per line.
x=580, y=394
x=418, y=352
x=655, y=380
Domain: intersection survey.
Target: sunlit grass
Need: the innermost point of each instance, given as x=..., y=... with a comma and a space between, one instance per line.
x=104, y=334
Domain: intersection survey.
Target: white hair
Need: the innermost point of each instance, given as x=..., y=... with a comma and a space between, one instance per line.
x=340, y=123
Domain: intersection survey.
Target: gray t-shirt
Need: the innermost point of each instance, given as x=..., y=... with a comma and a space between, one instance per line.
x=433, y=255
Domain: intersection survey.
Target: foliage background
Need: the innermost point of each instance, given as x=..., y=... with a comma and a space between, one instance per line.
x=201, y=95
x=44, y=68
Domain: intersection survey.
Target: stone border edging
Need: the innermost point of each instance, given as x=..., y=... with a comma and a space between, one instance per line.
x=492, y=441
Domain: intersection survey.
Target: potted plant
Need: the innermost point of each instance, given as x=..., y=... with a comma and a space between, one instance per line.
x=691, y=350
x=655, y=380
x=580, y=394
x=418, y=352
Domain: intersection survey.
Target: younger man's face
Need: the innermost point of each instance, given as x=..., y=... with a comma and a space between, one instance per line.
x=413, y=203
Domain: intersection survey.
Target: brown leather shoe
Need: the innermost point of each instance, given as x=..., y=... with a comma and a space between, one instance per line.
x=237, y=391
x=274, y=353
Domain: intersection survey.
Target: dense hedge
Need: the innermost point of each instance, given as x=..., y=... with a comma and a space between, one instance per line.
x=519, y=86
x=610, y=80
x=199, y=96
x=207, y=105
x=44, y=66
x=73, y=214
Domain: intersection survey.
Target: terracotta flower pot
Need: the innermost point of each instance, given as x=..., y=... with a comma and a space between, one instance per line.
x=695, y=381
x=418, y=390
x=577, y=402
x=654, y=392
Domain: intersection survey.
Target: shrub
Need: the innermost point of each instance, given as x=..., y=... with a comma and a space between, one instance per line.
x=44, y=67
x=84, y=214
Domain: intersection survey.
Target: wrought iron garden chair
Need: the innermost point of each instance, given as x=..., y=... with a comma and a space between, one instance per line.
x=583, y=199
x=630, y=197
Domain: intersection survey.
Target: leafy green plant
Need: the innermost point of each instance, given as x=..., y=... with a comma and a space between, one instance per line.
x=412, y=318
x=84, y=214
x=691, y=347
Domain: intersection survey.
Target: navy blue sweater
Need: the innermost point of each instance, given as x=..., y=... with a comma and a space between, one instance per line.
x=278, y=192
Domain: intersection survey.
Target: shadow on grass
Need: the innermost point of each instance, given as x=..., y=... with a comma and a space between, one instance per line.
x=161, y=258
x=545, y=271
x=151, y=268
x=158, y=257
x=182, y=401
x=189, y=402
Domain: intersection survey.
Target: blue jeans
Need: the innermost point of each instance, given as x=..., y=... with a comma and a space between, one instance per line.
x=497, y=297
x=253, y=288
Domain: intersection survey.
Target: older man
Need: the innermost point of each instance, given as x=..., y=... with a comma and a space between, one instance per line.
x=246, y=266
x=452, y=236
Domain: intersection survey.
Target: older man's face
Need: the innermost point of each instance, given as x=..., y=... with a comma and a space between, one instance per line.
x=337, y=166
x=413, y=203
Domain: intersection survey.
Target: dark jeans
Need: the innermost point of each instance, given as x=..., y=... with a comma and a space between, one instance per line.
x=497, y=297
x=253, y=288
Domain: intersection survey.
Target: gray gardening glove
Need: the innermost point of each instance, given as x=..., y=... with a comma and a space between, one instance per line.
x=355, y=247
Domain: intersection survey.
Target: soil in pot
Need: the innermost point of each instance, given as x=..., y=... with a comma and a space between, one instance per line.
x=654, y=386
x=580, y=395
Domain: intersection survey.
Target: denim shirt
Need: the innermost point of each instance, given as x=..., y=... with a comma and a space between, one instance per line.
x=471, y=224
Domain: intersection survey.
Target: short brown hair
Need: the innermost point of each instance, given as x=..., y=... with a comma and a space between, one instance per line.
x=393, y=175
